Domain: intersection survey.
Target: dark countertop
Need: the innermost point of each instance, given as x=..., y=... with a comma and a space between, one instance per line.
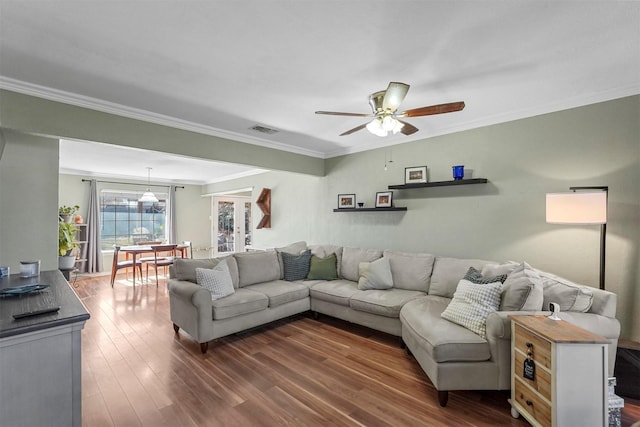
x=58, y=294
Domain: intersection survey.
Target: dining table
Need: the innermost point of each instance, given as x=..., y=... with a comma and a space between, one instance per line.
x=135, y=250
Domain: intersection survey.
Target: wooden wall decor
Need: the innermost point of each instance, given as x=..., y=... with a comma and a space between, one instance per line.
x=264, y=202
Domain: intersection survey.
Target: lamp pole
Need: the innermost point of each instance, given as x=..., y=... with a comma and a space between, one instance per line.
x=603, y=231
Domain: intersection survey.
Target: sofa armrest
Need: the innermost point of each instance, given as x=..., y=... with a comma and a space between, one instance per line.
x=190, y=308
x=499, y=324
x=189, y=291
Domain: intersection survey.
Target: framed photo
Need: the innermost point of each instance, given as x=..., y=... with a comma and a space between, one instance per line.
x=384, y=199
x=346, y=201
x=415, y=174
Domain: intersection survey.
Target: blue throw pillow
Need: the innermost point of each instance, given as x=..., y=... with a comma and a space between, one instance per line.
x=296, y=267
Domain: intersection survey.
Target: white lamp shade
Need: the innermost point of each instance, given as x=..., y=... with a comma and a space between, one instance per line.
x=148, y=196
x=577, y=208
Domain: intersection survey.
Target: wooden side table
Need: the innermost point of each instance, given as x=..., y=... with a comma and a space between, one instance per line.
x=568, y=386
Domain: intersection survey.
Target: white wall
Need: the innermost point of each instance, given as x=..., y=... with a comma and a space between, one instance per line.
x=501, y=220
x=28, y=201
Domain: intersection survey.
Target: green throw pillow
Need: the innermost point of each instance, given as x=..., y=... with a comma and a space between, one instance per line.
x=323, y=268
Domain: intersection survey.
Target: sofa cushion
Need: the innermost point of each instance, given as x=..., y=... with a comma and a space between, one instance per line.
x=217, y=280
x=444, y=341
x=571, y=296
x=185, y=268
x=494, y=269
x=294, y=248
x=472, y=303
x=296, y=267
x=410, y=271
x=375, y=275
x=324, y=251
x=323, y=268
x=522, y=291
x=474, y=276
x=243, y=301
x=447, y=272
x=351, y=259
x=337, y=291
x=383, y=302
x=257, y=267
x=281, y=292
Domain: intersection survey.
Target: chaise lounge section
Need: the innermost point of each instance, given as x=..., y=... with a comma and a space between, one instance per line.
x=400, y=293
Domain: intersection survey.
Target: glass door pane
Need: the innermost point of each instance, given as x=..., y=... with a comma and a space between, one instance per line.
x=226, y=228
x=231, y=228
x=247, y=224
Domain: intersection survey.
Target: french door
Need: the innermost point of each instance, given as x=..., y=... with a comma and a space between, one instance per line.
x=231, y=231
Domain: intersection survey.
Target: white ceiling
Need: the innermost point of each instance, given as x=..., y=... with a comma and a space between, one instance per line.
x=222, y=67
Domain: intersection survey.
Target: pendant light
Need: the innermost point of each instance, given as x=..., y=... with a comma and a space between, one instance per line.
x=148, y=196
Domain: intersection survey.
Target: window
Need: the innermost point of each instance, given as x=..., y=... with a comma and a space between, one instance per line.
x=126, y=221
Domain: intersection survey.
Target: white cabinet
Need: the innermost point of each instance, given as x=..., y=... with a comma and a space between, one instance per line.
x=569, y=384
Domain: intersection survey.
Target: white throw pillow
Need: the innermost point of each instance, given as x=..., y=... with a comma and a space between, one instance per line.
x=522, y=291
x=217, y=280
x=472, y=303
x=375, y=275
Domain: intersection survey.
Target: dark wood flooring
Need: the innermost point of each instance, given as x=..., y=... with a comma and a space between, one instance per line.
x=295, y=372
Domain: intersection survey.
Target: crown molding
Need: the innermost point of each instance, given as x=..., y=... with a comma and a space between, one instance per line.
x=77, y=100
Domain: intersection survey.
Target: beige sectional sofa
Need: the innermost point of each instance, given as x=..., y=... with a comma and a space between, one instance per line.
x=454, y=354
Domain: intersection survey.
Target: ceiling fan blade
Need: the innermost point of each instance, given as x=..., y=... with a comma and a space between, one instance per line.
x=408, y=128
x=394, y=96
x=433, y=109
x=336, y=113
x=355, y=129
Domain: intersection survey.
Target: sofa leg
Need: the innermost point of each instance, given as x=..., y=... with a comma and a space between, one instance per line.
x=176, y=328
x=204, y=346
x=315, y=315
x=443, y=398
x=402, y=344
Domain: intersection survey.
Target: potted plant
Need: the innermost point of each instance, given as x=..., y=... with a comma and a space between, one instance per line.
x=66, y=243
x=66, y=212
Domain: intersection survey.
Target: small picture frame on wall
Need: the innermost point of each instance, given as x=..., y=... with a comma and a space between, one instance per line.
x=346, y=201
x=415, y=174
x=384, y=199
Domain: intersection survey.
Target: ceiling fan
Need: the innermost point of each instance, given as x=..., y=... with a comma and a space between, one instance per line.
x=385, y=105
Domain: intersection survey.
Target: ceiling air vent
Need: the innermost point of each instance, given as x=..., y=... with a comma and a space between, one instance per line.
x=263, y=129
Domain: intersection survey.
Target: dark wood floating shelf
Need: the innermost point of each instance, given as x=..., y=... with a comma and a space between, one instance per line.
x=371, y=209
x=439, y=183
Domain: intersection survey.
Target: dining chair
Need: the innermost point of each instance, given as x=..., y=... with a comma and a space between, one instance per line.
x=163, y=256
x=118, y=265
x=187, y=249
x=143, y=259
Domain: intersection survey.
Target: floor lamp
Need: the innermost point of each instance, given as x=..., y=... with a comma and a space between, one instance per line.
x=583, y=205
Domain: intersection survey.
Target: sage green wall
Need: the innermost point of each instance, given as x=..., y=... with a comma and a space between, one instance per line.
x=192, y=210
x=2, y=142
x=29, y=114
x=28, y=201
x=502, y=220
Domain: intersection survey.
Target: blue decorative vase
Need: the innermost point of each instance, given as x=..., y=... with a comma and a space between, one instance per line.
x=458, y=172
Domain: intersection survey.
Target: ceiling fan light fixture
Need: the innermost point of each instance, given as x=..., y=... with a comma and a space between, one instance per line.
x=376, y=128
x=397, y=127
x=388, y=123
